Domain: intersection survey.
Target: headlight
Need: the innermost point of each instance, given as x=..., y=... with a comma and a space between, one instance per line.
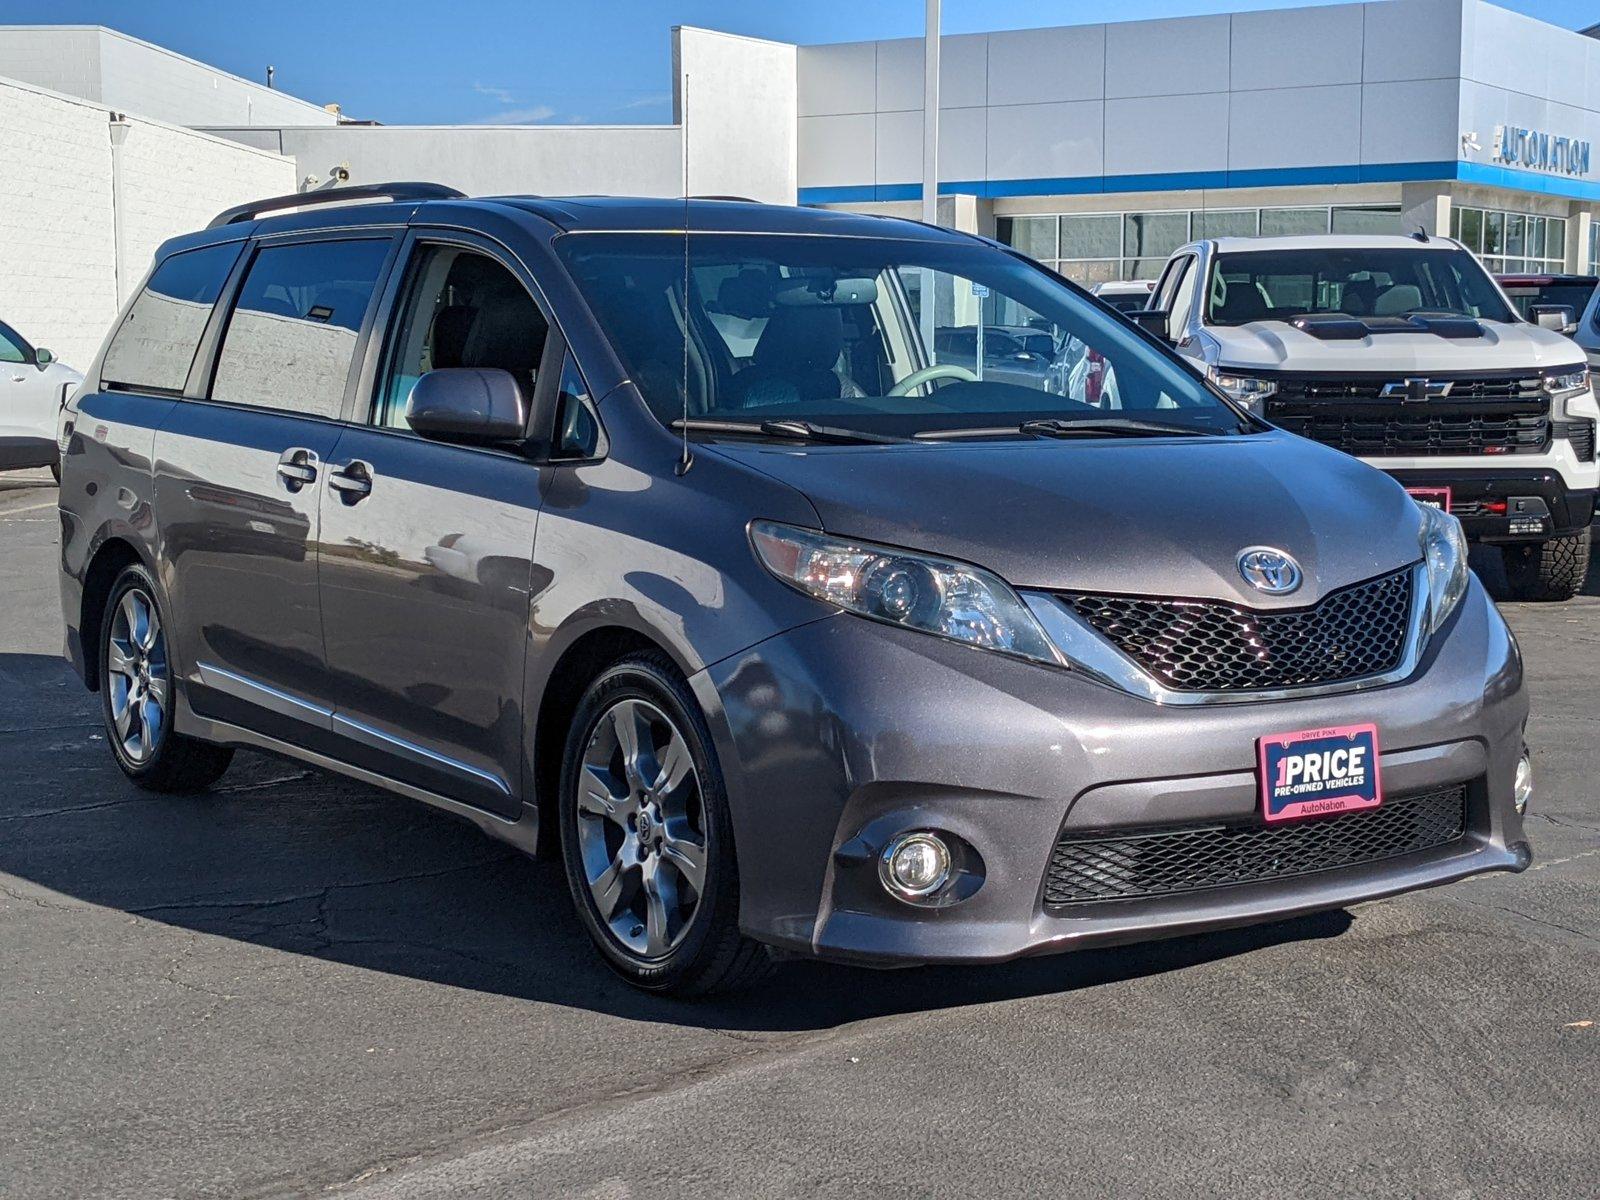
x=1444, y=551
x=1568, y=379
x=918, y=591
x=1246, y=389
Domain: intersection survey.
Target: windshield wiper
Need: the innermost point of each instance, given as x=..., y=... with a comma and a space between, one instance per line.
x=786, y=429
x=1057, y=427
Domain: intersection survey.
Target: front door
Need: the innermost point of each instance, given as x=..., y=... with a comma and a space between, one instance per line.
x=239, y=478
x=427, y=548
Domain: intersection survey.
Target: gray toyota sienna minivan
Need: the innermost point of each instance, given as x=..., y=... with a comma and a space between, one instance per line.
x=690, y=558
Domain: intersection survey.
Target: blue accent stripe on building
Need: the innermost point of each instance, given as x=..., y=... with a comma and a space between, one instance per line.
x=1178, y=181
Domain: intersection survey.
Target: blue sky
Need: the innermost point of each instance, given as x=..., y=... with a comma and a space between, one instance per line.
x=590, y=61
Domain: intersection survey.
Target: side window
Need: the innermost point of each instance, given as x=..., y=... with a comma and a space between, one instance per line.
x=459, y=309
x=1182, y=301
x=292, y=334
x=11, y=350
x=578, y=433
x=155, y=346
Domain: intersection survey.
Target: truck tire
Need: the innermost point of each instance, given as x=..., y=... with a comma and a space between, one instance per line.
x=1548, y=570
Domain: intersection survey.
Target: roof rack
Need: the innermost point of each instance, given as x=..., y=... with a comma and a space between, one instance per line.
x=360, y=191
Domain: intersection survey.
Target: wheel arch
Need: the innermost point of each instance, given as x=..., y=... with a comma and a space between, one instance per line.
x=579, y=663
x=110, y=559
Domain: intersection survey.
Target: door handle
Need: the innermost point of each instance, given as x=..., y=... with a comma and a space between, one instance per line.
x=353, y=481
x=19, y=379
x=297, y=467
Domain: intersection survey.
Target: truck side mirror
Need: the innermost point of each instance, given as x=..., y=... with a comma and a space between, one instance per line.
x=1560, y=317
x=1153, y=320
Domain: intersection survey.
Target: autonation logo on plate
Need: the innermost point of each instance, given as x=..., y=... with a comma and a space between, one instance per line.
x=1317, y=771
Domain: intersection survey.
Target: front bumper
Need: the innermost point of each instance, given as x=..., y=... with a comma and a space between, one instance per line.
x=837, y=735
x=1538, y=504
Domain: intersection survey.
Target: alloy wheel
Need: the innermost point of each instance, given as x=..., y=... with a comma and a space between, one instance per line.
x=136, y=676
x=641, y=828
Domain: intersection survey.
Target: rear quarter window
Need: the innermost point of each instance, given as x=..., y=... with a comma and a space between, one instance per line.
x=155, y=345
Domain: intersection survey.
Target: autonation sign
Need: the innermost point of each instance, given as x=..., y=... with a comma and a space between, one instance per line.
x=1540, y=151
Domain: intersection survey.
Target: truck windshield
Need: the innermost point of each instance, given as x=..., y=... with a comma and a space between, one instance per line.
x=887, y=336
x=1278, y=285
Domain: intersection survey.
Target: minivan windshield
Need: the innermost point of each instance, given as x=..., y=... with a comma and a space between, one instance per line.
x=886, y=336
x=1400, y=281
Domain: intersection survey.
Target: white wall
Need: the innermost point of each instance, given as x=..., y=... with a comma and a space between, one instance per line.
x=135, y=76
x=740, y=114
x=58, y=265
x=488, y=160
x=1343, y=86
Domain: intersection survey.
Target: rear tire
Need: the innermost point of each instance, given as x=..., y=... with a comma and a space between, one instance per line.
x=55, y=470
x=138, y=696
x=646, y=836
x=1550, y=570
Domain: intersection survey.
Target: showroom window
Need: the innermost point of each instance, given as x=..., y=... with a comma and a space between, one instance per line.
x=1096, y=248
x=1594, y=247
x=1512, y=243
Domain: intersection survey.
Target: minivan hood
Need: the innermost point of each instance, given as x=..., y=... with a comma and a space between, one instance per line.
x=1279, y=346
x=1135, y=515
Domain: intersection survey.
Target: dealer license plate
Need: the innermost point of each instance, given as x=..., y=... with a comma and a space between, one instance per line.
x=1433, y=497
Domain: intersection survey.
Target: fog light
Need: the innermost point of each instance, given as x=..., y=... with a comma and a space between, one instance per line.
x=1522, y=786
x=915, y=865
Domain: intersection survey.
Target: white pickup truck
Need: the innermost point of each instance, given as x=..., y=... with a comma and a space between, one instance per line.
x=1404, y=352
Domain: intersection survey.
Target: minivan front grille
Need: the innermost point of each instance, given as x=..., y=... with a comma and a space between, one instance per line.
x=1213, y=646
x=1148, y=861
x=1478, y=415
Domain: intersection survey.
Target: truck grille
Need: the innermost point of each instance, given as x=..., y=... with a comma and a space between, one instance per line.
x=1479, y=415
x=1162, y=861
x=1213, y=646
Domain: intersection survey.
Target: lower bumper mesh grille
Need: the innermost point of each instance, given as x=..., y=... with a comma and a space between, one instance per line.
x=1140, y=863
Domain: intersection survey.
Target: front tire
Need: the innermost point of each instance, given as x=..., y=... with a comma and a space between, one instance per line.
x=1550, y=570
x=647, y=840
x=137, y=695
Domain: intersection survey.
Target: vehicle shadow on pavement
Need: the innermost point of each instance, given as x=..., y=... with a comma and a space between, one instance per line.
x=282, y=856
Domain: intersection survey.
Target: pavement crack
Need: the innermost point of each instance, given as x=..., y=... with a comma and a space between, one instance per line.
x=73, y=808
x=319, y=895
x=1585, y=935
x=38, y=901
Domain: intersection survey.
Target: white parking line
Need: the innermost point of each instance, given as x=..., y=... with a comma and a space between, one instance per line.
x=27, y=508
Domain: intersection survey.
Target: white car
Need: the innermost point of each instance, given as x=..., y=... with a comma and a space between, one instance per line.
x=1404, y=352
x=33, y=388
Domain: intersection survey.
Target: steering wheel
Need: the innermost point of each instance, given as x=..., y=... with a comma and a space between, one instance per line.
x=938, y=371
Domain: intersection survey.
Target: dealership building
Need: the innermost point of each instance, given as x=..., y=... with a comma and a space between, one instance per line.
x=1097, y=148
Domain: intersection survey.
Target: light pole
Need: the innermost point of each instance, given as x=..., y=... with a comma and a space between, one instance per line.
x=930, y=162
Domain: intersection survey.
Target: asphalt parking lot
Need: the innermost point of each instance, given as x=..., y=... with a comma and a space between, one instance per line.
x=296, y=985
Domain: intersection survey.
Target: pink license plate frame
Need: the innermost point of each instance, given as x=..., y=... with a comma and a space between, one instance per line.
x=1318, y=772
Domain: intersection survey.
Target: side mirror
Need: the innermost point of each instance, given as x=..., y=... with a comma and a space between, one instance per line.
x=468, y=404
x=1562, y=318
x=42, y=358
x=1153, y=320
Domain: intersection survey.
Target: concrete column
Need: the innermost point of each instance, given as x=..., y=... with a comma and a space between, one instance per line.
x=1578, y=226
x=1425, y=206
x=969, y=214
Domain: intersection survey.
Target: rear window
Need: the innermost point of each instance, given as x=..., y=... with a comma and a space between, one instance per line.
x=1574, y=295
x=156, y=343
x=292, y=334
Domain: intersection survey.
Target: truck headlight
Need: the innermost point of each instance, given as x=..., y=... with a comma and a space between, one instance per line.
x=1444, y=552
x=899, y=587
x=1245, y=389
x=1567, y=379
